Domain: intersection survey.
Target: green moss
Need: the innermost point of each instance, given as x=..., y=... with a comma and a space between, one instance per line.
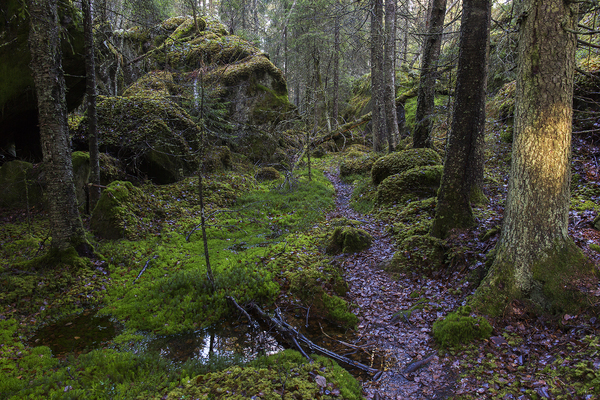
x=581, y=203
x=154, y=84
x=355, y=163
x=348, y=239
x=363, y=195
x=21, y=184
x=338, y=310
x=416, y=183
x=561, y=279
x=267, y=174
x=113, y=217
x=402, y=161
x=460, y=327
x=423, y=254
x=415, y=218
x=285, y=375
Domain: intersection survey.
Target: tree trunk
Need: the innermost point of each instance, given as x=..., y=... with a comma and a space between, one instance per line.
x=378, y=121
x=389, y=72
x=463, y=168
x=535, y=260
x=46, y=65
x=426, y=96
x=90, y=72
x=336, y=70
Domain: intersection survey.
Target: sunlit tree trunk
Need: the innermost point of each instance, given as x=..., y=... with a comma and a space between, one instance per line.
x=462, y=180
x=429, y=61
x=46, y=65
x=535, y=260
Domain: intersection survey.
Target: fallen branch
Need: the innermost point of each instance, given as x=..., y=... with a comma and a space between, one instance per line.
x=294, y=338
x=144, y=269
x=362, y=120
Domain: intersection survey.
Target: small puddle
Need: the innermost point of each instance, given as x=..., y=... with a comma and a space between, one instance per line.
x=76, y=334
x=230, y=340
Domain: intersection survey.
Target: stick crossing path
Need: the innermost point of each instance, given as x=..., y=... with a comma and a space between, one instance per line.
x=413, y=369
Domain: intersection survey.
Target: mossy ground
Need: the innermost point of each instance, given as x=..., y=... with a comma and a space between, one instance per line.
x=257, y=254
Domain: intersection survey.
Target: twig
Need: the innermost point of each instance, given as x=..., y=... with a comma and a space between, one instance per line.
x=144, y=269
x=412, y=367
x=240, y=309
x=341, y=342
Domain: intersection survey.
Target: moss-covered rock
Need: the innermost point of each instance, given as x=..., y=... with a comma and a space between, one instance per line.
x=414, y=184
x=461, y=327
x=217, y=158
x=152, y=136
x=597, y=223
x=414, y=219
x=267, y=174
x=423, y=254
x=153, y=84
x=113, y=217
x=22, y=184
x=348, y=239
x=399, y=162
x=357, y=164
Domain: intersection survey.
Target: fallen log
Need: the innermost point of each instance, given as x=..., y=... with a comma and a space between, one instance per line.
x=362, y=120
x=295, y=338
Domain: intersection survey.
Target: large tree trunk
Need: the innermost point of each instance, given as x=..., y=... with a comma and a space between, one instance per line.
x=46, y=65
x=378, y=121
x=90, y=72
x=389, y=71
x=463, y=168
x=535, y=259
x=431, y=53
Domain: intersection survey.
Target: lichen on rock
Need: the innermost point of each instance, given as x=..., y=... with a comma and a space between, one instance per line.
x=402, y=161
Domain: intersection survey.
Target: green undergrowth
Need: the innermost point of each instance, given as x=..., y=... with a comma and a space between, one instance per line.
x=565, y=372
x=287, y=375
x=33, y=373
x=305, y=272
x=173, y=294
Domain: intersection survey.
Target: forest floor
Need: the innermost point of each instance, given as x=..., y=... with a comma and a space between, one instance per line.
x=527, y=357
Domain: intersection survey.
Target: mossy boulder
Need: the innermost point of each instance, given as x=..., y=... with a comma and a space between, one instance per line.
x=357, y=164
x=113, y=216
x=348, y=239
x=18, y=119
x=596, y=223
x=217, y=158
x=423, y=254
x=152, y=136
x=414, y=184
x=413, y=219
x=153, y=84
x=267, y=174
x=402, y=161
x=461, y=327
x=22, y=183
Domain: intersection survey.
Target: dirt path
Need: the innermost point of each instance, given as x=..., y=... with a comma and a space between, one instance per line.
x=413, y=369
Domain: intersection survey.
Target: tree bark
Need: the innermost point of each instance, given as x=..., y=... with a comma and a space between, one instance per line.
x=426, y=96
x=46, y=65
x=90, y=72
x=463, y=167
x=378, y=120
x=336, y=70
x=389, y=72
x=536, y=261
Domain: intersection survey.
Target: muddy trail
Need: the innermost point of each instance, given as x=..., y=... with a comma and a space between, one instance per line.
x=396, y=316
